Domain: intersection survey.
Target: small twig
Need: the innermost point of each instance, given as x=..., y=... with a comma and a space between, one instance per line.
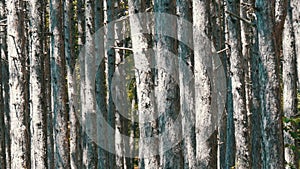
x=148, y=9
x=238, y=17
x=121, y=48
x=3, y=20
x=223, y=50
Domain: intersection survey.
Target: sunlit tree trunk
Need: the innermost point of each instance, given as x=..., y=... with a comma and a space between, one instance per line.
x=295, y=6
x=289, y=76
x=148, y=149
x=118, y=87
x=206, y=150
x=37, y=94
x=19, y=133
x=89, y=115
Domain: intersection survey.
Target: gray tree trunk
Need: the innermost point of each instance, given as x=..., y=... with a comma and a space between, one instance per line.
x=6, y=95
x=167, y=90
x=59, y=84
x=148, y=125
x=206, y=152
x=256, y=140
x=289, y=77
x=295, y=4
x=272, y=136
x=19, y=133
x=48, y=97
x=187, y=95
x=81, y=90
x=101, y=93
x=90, y=156
x=69, y=40
x=2, y=83
x=37, y=94
x=110, y=56
x=118, y=88
x=237, y=68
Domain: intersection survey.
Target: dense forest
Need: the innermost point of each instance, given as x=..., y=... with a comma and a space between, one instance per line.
x=149, y=84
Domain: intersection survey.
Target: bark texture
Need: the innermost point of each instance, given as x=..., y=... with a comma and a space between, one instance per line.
x=20, y=142
x=205, y=120
x=59, y=84
x=272, y=136
x=289, y=77
x=38, y=115
x=148, y=124
x=237, y=69
x=186, y=83
x=167, y=89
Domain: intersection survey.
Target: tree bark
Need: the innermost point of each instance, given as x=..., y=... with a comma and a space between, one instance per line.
x=148, y=125
x=237, y=67
x=272, y=136
x=295, y=5
x=206, y=150
x=2, y=97
x=256, y=140
x=89, y=115
x=101, y=93
x=37, y=94
x=59, y=84
x=289, y=76
x=69, y=40
x=187, y=95
x=167, y=89
x=19, y=133
x=110, y=56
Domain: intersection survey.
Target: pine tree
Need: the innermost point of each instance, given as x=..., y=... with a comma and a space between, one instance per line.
x=38, y=116
x=16, y=41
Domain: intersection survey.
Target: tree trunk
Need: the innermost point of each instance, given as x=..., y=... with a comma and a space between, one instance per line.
x=2, y=97
x=59, y=84
x=148, y=125
x=256, y=140
x=167, y=90
x=272, y=136
x=89, y=115
x=20, y=144
x=295, y=5
x=101, y=93
x=37, y=94
x=187, y=95
x=289, y=76
x=110, y=56
x=81, y=90
x=69, y=40
x=118, y=88
x=237, y=67
x=48, y=97
x=206, y=152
